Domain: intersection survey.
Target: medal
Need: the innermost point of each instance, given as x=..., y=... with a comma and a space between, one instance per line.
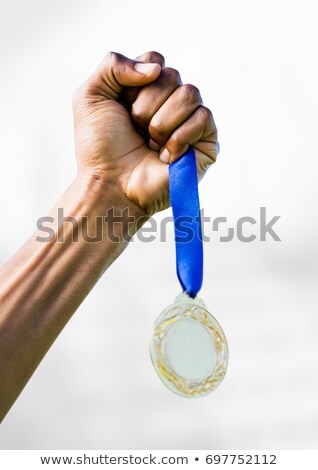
x=188, y=347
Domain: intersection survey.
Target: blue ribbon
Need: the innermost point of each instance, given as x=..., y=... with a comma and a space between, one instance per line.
x=184, y=198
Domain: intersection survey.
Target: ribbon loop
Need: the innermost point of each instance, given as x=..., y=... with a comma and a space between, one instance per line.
x=184, y=198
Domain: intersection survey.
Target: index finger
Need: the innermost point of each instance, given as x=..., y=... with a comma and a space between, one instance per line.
x=129, y=95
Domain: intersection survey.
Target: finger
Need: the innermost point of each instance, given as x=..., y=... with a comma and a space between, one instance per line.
x=152, y=57
x=129, y=95
x=117, y=71
x=155, y=196
x=198, y=130
x=177, y=109
x=152, y=97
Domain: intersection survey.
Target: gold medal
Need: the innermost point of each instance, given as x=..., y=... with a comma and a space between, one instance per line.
x=188, y=348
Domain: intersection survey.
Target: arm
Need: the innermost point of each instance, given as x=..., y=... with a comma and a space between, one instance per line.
x=45, y=282
x=126, y=116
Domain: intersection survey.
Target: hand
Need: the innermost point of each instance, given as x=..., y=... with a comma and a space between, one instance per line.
x=134, y=117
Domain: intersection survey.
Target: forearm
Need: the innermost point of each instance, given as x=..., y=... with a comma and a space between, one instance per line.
x=45, y=282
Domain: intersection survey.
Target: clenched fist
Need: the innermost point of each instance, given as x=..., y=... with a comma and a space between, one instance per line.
x=133, y=118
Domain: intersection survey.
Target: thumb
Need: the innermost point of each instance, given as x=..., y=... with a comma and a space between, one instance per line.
x=117, y=71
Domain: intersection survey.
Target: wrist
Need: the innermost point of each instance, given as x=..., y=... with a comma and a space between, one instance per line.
x=104, y=199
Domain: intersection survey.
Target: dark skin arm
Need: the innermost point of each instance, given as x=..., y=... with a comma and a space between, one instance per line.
x=132, y=118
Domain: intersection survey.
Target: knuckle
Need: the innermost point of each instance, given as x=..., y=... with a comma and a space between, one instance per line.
x=175, y=142
x=190, y=92
x=206, y=114
x=139, y=114
x=172, y=75
x=112, y=58
x=155, y=57
x=157, y=129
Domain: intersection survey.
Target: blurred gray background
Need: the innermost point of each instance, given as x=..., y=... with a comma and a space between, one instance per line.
x=256, y=64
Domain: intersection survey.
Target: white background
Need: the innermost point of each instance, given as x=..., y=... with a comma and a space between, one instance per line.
x=256, y=64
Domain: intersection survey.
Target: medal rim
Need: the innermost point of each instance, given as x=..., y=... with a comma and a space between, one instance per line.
x=179, y=385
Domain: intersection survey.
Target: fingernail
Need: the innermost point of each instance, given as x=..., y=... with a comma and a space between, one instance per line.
x=165, y=156
x=145, y=69
x=153, y=145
